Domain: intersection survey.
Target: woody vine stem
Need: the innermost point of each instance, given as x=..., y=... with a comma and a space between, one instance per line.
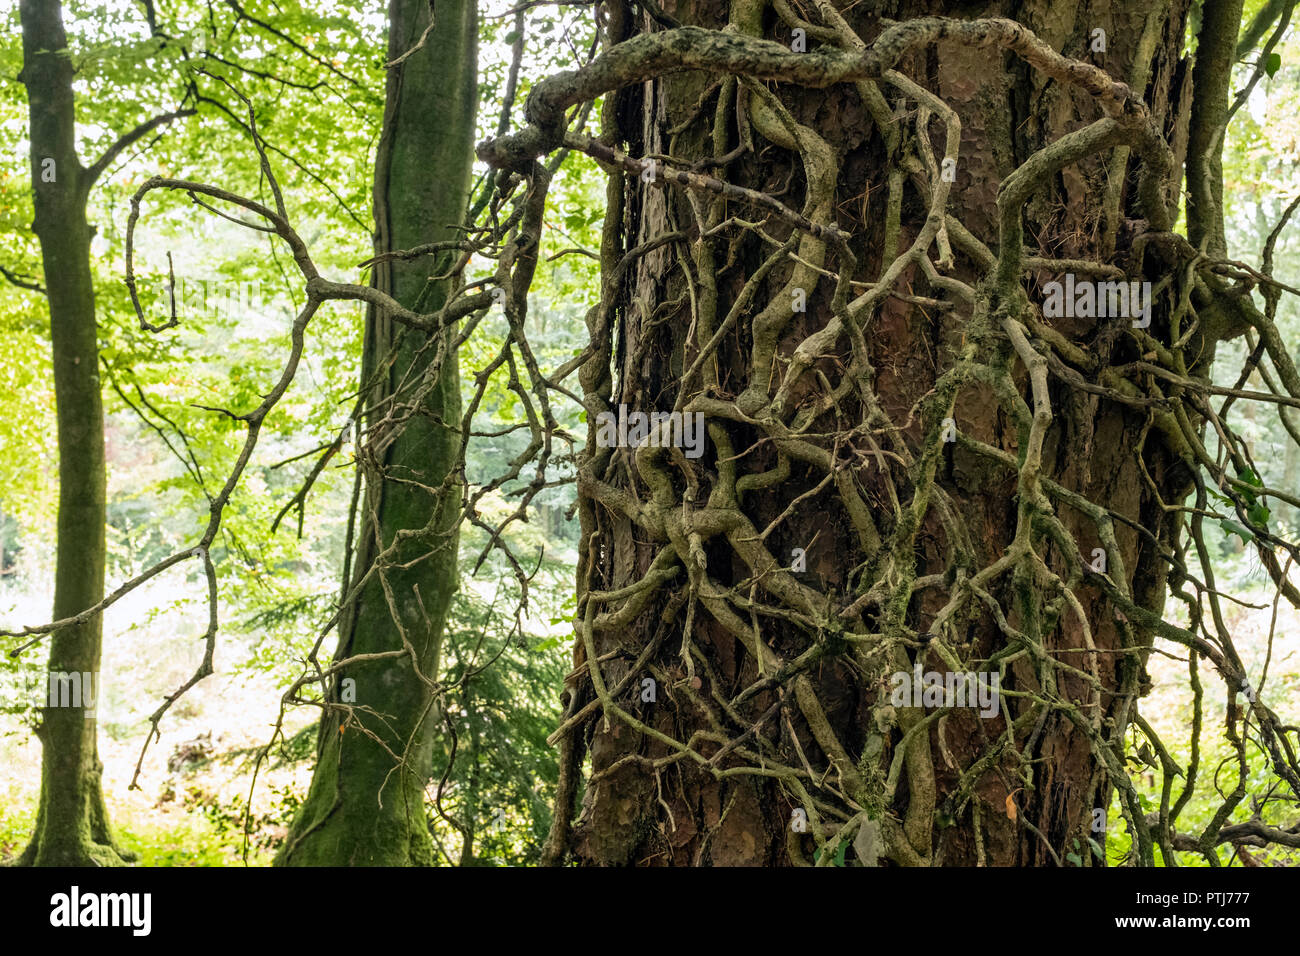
x=880, y=790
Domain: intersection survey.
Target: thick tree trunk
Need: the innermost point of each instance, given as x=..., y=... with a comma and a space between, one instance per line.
x=366, y=803
x=948, y=800
x=72, y=827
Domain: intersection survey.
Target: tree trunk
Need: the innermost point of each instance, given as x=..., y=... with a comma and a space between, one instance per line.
x=773, y=588
x=363, y=808
x=72, y=827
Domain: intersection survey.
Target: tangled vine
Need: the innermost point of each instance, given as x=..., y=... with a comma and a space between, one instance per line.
x=680, y=543
x=827, y=428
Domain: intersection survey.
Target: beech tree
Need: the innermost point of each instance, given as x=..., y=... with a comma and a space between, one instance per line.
x=840, y=234
x=72, y=827
x=366, y=805
x=381, y=694
x=163, y=58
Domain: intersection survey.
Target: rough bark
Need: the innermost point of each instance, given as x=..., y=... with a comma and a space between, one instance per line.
x=366, y=805
x=647, y=802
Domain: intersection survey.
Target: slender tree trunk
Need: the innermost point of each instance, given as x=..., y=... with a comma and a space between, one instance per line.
x=366, y=805
x=801, y=739
x=72, y=827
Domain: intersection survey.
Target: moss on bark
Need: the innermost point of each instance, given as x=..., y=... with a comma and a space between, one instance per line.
x=366, y=802
x=72, y=827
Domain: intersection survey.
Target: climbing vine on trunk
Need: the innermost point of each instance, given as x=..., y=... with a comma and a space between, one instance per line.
x=918, y=278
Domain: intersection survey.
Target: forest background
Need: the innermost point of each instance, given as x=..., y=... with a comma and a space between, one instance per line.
x=315, y=76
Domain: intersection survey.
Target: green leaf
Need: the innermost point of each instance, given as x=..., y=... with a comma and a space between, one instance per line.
x=1258, y=515
x=1074, y=858
x=838, y=859
x=1272, y=64
x=1097, y=851
x=1249, y=477
x=1233, y=527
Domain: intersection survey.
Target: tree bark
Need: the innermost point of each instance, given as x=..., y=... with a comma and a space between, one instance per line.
x=72, y=827
x=822, y=739
x=366, y=803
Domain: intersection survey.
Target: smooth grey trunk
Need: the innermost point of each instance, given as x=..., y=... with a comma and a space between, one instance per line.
x=72, y=827
x=362, y=809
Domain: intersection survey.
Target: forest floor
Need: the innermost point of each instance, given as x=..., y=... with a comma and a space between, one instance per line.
x=193, y=786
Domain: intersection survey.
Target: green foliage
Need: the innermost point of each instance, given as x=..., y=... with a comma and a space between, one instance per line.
x=318, y=102
x=837, y=857
x=230, y=821
x=498, y=769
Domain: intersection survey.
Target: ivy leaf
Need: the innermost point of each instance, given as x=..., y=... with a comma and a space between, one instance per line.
x=1222, y=499
x=1272, y=64
x=1258, y=515
x=1145, y=755
x=838, y=859
x=1233, y=527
